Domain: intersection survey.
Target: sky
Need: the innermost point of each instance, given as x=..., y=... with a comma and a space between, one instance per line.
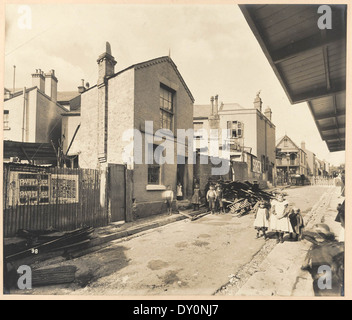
x=212, y=46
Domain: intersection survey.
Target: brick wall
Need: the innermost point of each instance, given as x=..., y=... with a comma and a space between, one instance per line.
x=86, y=141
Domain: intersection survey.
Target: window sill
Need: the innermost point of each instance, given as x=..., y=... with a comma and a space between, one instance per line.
x=155, y=187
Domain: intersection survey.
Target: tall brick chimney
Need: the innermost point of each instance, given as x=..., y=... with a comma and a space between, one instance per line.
x=106, y=68
x=106, y=63
x=51, y=85
x=303, y=145
x=214, y=119
x=38, y=80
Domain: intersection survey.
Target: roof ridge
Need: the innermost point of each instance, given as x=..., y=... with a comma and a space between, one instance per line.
x=153, y=62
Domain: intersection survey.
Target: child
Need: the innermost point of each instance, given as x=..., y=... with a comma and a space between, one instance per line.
x=169, y=197
x=261, y=222
x=279, y=220
x=211, y=198
x=219, y=201
x=297, y=223
x=179, y=192
x=196, y=198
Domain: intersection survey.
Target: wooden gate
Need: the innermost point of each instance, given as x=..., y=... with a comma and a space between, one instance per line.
x=117, y=192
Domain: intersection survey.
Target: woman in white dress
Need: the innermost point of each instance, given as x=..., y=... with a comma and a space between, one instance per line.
x=279, y=219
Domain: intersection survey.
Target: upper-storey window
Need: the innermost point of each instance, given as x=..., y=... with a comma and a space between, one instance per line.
x=235, y=129
x=166, y=108
x=6, y=120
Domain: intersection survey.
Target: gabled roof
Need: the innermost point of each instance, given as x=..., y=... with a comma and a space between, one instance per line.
x=19, y=92
x=155, y=61
x=149, y=63
x=286, y=136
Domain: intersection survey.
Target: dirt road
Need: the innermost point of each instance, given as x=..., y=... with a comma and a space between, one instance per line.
x=179, y=259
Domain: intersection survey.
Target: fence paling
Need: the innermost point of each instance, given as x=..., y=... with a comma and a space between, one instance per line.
x=57, y=213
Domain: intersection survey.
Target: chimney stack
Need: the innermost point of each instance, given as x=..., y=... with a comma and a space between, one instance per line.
x=106, y=63
x=268, y=113
x=81, y=88
x=303, y=145
x=216, y=105
x=51, y=85
x=212, y=104
x=258, y=102
x=38, y=80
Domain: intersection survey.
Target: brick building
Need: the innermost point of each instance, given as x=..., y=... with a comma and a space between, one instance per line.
x=33, y=115
x=250, y=138
x=136, y=102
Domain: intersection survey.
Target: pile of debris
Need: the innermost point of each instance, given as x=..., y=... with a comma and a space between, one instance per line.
x=241, y=198
x=34, y=247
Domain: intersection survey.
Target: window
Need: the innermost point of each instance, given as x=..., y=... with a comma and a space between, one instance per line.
x=166, y=108
x=154, y=172
x=197, y=126
x=235, y=129
x=6, y=120
x=285, y=142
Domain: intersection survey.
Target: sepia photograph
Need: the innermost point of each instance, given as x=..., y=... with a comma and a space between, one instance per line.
x=165, y=149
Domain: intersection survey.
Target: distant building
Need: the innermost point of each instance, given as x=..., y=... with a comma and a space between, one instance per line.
x=291, y=161
x=323, y=168
x=250, y=137
x=120, y=102
x=311, y=161
x=33, y=115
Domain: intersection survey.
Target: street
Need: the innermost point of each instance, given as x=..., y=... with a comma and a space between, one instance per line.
x=183, y=258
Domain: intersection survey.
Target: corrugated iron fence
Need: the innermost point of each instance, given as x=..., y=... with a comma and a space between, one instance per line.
x=39, y=198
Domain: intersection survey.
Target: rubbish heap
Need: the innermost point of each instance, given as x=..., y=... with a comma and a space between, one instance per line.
x=241, y=198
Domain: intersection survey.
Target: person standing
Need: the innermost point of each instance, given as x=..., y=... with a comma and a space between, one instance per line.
x=206, y=189
x=261, y=222
x=211, y=198
x=196, y=198
x=219, y=199
x=341, y=219
x=169, y=198
x=179, y=194
x=297, y=223
x=279, y=220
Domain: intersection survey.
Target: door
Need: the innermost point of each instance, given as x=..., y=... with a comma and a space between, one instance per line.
x=117, y=192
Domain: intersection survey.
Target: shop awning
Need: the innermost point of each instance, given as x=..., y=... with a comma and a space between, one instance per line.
x=310, y=63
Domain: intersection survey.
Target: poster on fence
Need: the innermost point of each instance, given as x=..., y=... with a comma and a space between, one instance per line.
x=28, y=188
x=64, y=188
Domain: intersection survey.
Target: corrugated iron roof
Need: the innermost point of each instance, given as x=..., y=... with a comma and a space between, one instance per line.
x=309, y=62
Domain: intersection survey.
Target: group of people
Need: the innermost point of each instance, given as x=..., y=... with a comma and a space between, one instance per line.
x=277, y=216
x=213, y=198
